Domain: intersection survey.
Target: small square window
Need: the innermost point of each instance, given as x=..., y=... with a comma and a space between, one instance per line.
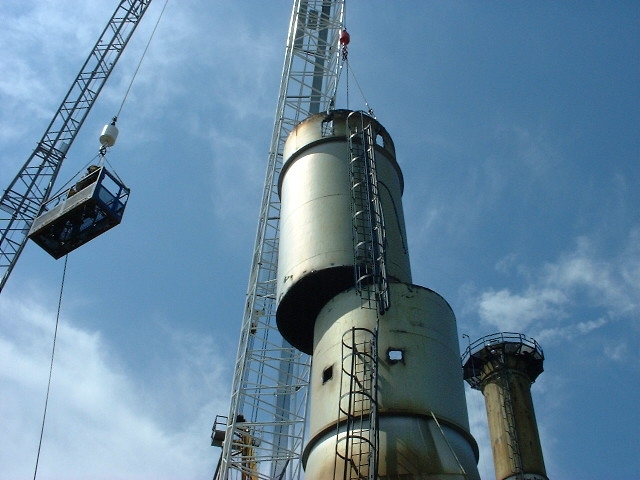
x=327, y=374
x=328, y=128
x=395, y=355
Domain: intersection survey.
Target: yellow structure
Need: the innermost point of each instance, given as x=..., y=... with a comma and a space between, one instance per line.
x=503, y=366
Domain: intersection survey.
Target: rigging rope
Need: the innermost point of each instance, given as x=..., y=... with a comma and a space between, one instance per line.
x=344, y=41
x=142, y=58
x=74, y=177
x=55, y=333
x=364, y=99
x=53, y=351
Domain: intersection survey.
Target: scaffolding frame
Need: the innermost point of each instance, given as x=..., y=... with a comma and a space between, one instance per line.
x=271, y=378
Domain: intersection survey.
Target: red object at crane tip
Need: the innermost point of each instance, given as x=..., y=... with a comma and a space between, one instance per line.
x=344, y=37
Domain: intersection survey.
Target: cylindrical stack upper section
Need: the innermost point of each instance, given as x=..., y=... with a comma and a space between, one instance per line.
x=418, y=378
x=316, y=252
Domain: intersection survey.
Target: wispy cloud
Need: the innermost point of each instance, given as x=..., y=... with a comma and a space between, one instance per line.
x=102, y=422
x=480, y=431
x=508, y=311
x=34, y=72
x=584, y=276
x=569, y=332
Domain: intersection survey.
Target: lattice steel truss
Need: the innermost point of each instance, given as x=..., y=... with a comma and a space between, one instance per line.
x=266, y=423
x=34, y=182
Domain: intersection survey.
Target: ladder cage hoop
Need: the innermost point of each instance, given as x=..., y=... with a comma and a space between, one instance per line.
x=357, y=429
x=368, y=228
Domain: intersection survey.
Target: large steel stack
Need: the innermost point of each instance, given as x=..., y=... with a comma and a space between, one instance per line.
x=387, y=395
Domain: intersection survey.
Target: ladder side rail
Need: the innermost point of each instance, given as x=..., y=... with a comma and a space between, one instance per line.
x=509, y=418
x=360, y=209
x=358, y=215
x=369, y=235
x=379, y=241
x=374, y=433
x=34, y=182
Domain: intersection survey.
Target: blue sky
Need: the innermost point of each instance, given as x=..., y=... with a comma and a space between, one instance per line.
x=516, y=124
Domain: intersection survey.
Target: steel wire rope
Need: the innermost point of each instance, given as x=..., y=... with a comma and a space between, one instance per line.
x=124, y=99
x=346, y=64
x=341, y=63
x=53, y=351
x=144, y=53
x=350, y=72
x=75, y=175
x=64, y=273
x=103, y=150
x=345, y=56
x=364, y=99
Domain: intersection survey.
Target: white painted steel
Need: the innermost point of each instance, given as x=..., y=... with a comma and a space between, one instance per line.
x=419, y=377
x=410, y=448
x=316, y=253
x=109, y=135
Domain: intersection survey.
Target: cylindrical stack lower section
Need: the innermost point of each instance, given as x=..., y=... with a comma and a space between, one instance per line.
x=503, y=366
x=316, y=252
x=423, y=423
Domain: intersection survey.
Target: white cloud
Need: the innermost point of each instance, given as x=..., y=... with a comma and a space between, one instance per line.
x=480, y=430
x=512, y=312
x=101, y=421
x=587, y=298
x=571, y=331
x=618, y=352
x=583, y=277
x=610, y=281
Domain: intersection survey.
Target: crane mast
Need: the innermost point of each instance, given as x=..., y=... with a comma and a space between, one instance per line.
x=33, y=184
x=262, y=437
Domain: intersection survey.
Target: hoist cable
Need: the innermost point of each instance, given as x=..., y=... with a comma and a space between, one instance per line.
x=345, y=62
x=72, y=179
x=142, y=58
x=53, y=351
x=113, y=170
x=347, y=82
x=364, y=99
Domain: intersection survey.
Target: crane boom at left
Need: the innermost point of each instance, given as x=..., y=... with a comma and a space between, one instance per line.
x=33, y=184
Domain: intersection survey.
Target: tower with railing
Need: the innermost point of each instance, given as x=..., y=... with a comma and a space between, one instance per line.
x=503, y=366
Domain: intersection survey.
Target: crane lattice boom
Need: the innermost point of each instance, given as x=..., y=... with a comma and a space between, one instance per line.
x=33, y=184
